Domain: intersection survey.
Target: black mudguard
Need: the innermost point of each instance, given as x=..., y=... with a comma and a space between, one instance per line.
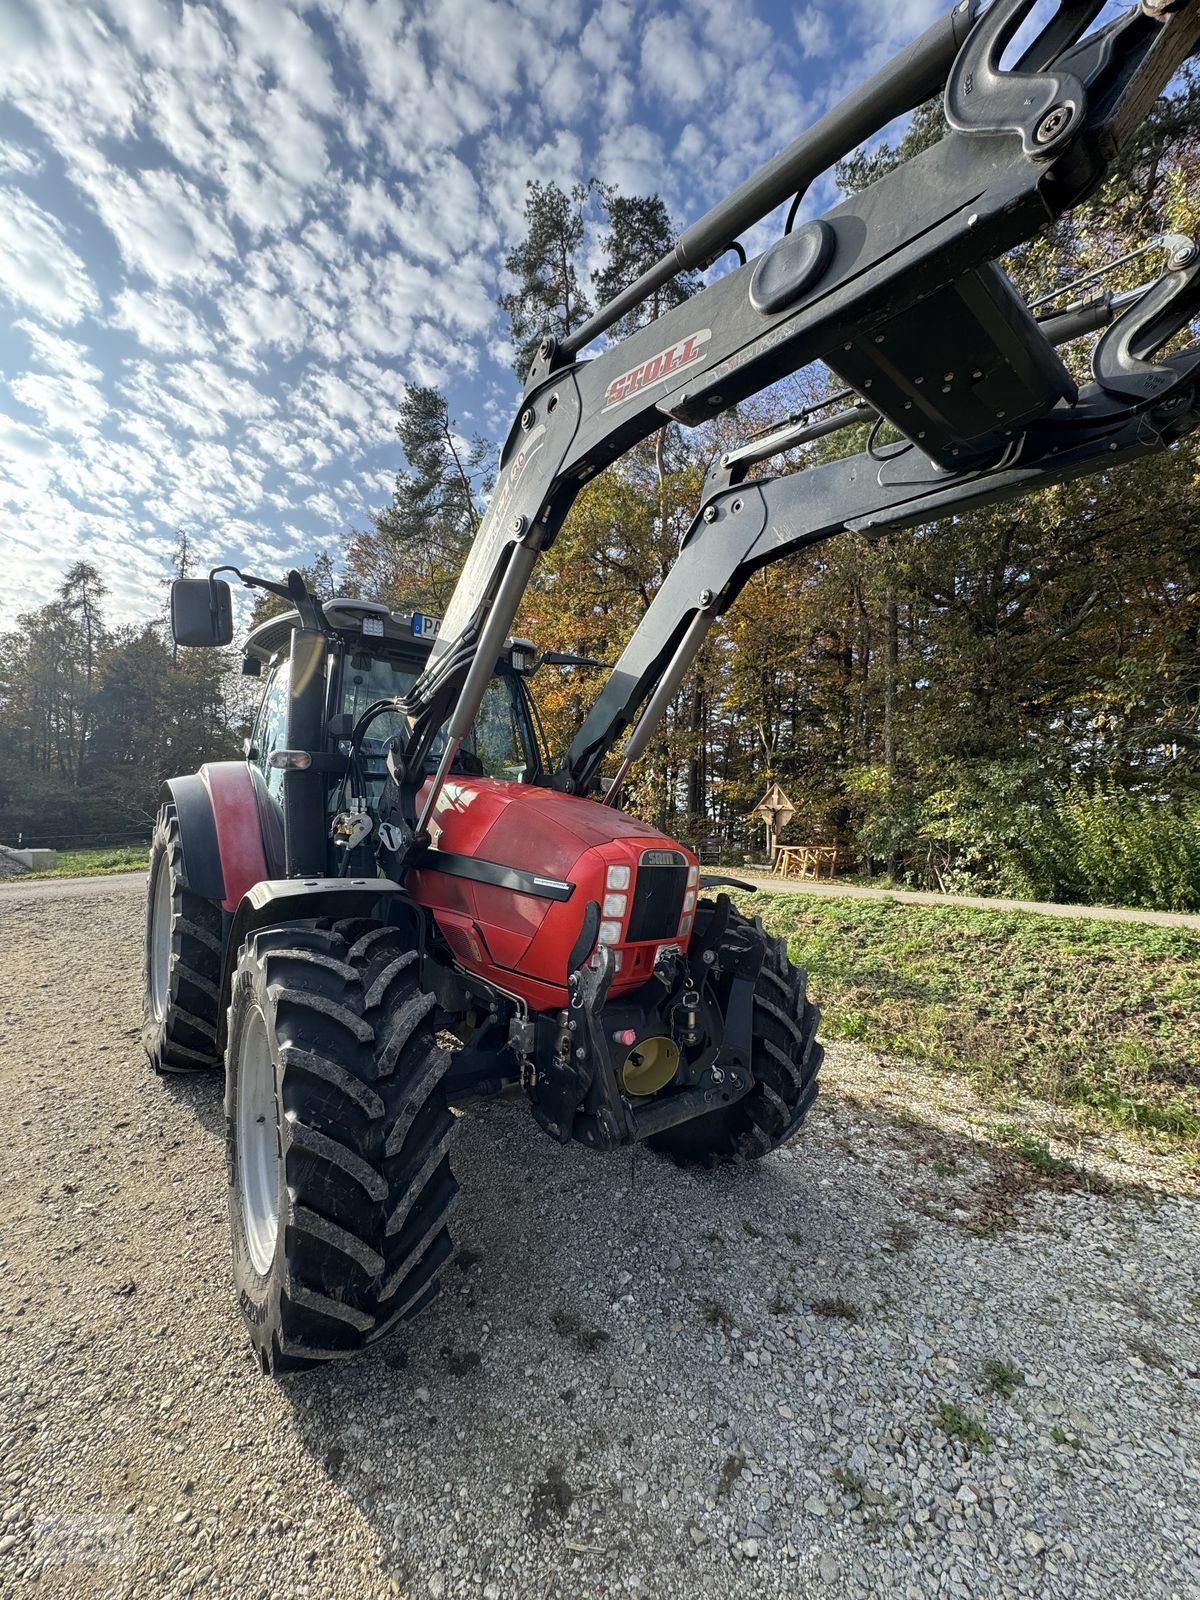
x=197, y=835
x=277, y=900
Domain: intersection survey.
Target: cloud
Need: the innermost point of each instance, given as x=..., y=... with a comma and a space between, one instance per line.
x=162, y=224
x=160, y=321
x=280, y=41
x=23, y=163
x=672, y=61
x=232, y=231
x=57, y=353
x=38, y=268
x=67, y=404
x=814, y=31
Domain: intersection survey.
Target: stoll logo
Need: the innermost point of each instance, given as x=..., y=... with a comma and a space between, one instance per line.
x=657, y=370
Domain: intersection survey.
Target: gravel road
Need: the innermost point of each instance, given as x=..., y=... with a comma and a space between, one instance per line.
x=641, y=1382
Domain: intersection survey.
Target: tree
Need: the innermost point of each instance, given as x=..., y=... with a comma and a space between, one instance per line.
x=547, y=297
x=92, y=719
x=639, y=234
x=416, y=545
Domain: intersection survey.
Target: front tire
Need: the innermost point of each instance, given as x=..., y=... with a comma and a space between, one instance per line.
x=183, y=961
x=338, y=1138
x=785, y=1061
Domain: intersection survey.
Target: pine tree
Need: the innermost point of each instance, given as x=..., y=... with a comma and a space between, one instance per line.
x=547, y=298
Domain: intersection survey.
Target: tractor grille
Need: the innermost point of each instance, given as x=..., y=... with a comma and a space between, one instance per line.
x=658, y=895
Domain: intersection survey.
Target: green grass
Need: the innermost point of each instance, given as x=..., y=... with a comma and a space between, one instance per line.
x=100, y=860
x=1003, y=1377
x=843, y=1310
x=1096, y=1015
x=1031, y=1149
x=958, y=1424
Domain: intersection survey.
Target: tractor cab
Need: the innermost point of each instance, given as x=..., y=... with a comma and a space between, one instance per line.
x=377, y=655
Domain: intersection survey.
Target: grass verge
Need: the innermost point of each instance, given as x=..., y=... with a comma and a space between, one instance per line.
x=1102, y=1017
x=98, y=861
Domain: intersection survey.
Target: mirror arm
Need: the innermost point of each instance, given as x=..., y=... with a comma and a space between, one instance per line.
x=312, y=613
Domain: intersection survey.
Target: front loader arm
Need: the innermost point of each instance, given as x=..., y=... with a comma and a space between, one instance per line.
x=742, y=527
x=896, y=289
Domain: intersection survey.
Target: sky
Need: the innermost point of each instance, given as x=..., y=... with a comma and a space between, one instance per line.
x=231, y=233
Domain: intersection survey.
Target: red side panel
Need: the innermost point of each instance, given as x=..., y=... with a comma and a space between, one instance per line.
x=239, y=837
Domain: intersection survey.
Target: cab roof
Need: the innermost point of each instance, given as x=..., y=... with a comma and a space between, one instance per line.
x=347, y=616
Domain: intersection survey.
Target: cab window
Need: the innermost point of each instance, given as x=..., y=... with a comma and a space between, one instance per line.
x=497, y=738
x=496, y=748
x=366, y=679
x=270, y=727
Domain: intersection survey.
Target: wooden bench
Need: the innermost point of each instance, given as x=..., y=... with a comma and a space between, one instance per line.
x=807, y=860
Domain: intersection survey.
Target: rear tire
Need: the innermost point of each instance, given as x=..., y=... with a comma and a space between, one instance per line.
x=785, y=1061
x=338, y=1136
x=184, y=935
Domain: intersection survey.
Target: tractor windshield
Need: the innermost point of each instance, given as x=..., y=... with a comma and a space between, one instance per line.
x=499, y=745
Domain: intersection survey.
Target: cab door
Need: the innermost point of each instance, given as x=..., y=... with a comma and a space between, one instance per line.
x=270, y=728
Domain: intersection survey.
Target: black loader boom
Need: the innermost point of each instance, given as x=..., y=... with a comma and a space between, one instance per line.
x=898, y=291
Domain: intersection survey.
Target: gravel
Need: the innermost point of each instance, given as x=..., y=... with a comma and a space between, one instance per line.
x=640, y=1382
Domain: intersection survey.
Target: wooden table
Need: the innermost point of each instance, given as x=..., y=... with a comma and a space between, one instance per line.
x=806, y=860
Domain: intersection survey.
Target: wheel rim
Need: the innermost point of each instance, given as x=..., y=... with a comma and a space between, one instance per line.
x=160, y=940
x=258, y=1143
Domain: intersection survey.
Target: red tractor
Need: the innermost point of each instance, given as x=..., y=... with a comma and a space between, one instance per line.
x=398, y=859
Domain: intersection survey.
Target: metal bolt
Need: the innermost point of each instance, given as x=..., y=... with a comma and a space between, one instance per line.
x=580, y=1053
x=518, y=527
x=709, y=958
x=527, y=419
x=710, y=513
x=973, y=220
x=706, y=597
x=1053, y=123
x=546, y=349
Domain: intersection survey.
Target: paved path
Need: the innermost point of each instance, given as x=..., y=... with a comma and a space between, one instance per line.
x=68, y=888
x=124, y=883
x=920, y=897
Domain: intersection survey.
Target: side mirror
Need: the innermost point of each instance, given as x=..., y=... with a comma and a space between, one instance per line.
x=201, y=611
